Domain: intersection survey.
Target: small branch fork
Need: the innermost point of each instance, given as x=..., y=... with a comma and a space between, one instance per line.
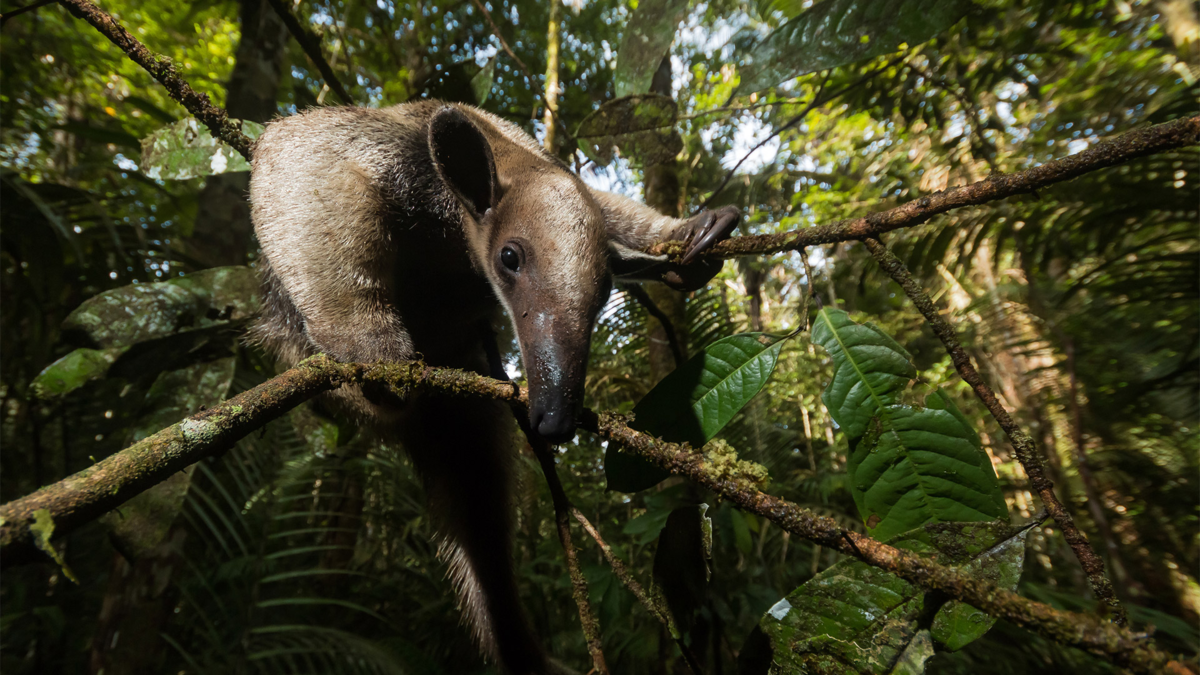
x=1023, y=445
x=85, y=496
x=657, y=610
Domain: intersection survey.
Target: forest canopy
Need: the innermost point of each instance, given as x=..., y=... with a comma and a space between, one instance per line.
x=936, y=414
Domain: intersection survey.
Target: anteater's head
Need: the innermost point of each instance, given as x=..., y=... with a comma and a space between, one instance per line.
x=539, y=237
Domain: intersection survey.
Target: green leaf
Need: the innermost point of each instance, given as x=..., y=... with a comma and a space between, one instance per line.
x=922, y=465
x=958, y=624
x=186, y=149
x=681, y=572
x=641, y=126
x=42, y=528
x=73, y=371
x=838, y=32
x=694, y=402
x=647, y=38
x=789, y=8
x=855, y=618
x=481, y=82
x=912, y=659
x=142, y=312
x=870, y=369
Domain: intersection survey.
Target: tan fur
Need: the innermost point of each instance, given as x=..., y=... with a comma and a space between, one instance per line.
x=373, y=250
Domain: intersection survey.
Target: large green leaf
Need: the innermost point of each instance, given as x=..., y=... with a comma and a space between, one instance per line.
x=838, y=32
x=857, y=619
x=648, y=35
x=186, y=149
x=641, y=126
x=909, y=465
x=142, y=312
x=871, y=369
x=922, y=465
x=695, y=402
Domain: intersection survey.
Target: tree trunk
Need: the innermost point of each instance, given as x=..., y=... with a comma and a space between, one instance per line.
x=222, y=234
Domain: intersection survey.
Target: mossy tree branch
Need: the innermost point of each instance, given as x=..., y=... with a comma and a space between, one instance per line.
x=85, y=496
x=1180, y=133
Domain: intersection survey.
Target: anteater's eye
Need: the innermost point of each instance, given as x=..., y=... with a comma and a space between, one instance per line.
x=510, y=258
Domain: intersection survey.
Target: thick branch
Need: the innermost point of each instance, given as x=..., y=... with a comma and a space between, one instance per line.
x=1180, y=133
x=311, y=44
x=83, y=497
x=1023, y=445
x=1088, y=632
x=163, y=70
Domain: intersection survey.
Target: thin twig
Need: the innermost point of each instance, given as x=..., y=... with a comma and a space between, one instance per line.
x=1180, y=133
x=85, y=496
x=968, y=107
x=739, y=108
x=524, y=69
x=562, y=518
x=818, y=99
x=163, y=70
x=618, y=567
x=311, y=44
x=810, y=293
x=562, y=507
x=21, y=10
x=1023, y=445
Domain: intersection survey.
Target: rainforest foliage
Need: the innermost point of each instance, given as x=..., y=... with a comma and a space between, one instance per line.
x=126, y=284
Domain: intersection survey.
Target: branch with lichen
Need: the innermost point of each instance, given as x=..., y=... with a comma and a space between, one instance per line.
x=163, y=70
x=1181, y=133
x=85, y=496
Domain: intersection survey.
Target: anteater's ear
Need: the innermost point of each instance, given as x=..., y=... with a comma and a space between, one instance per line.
x=463, y=159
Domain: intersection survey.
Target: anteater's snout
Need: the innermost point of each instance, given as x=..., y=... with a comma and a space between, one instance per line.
x=554, y=426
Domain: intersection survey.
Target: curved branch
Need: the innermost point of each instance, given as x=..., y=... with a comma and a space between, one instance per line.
x=311, y=44
x=88, y=494
x=1180, y=133
x=163, y=70
x=1023, y=445
x=85, y=496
